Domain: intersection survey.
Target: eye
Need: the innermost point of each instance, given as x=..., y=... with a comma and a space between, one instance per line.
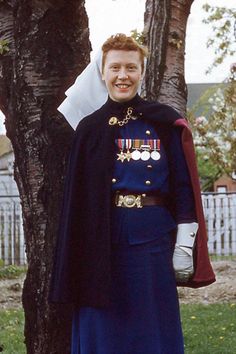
x=132, y=68
x=115, y=68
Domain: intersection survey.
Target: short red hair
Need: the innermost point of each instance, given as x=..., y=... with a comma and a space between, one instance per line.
x=120, y=41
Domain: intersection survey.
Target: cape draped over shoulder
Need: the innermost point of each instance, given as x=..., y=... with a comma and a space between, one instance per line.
x=81, y=273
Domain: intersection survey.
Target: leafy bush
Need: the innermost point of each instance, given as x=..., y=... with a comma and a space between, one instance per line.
x=11, y=271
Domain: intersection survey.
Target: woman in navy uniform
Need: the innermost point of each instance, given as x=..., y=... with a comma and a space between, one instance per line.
x=132, y=224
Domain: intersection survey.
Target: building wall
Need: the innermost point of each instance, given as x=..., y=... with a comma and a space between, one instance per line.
x=225, y=184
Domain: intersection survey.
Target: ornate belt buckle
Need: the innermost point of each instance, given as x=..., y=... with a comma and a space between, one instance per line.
x=130, y=201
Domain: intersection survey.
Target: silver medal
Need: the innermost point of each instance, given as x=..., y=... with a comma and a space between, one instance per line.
x=136, y=155
x=155, y=155
x=145, y=155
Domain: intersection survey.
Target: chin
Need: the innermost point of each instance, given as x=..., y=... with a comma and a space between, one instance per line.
x=123, y=98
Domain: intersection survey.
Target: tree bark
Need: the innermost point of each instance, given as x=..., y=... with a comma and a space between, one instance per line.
x=164, y=31
x=48, y=47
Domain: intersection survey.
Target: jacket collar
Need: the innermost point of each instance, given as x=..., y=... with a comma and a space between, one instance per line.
x=155, y=112
x=121, y=107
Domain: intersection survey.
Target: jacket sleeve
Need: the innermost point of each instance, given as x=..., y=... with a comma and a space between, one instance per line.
x=180, y=179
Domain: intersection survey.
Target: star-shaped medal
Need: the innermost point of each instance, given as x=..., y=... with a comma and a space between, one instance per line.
x=121, y=156
x=128, y=155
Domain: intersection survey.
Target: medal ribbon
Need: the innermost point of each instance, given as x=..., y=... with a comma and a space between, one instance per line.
x=154, y=144
x=136, y=143
x=120, y=143
x=128, y=143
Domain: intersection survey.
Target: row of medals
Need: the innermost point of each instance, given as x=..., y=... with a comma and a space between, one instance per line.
x=140, y=149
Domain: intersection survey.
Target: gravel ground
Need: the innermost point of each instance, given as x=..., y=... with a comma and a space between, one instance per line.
x=223, y=290
x=10, y=293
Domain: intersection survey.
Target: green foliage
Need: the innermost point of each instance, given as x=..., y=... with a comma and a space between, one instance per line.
x=223, y=21
x=209, y=328
x=4, y=46
x=11, y=271
x=138, y=36
x=215, y=131
x=209, y=171
x=11, y=332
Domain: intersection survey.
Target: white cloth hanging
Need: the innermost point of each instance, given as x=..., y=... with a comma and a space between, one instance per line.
x=86, y=95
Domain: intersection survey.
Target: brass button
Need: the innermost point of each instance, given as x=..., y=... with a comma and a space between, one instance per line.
x=113, y=121
x=149, y=166
x=148, y=132
x=113, y=180
x=147, y=183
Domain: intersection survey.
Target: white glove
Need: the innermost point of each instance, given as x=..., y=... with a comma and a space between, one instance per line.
x=183, y=252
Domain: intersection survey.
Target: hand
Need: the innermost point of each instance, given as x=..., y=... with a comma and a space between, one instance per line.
x=183, y=263
x=183, y=252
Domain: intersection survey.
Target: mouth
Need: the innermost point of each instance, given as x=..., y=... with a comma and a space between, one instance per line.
x=122, y=86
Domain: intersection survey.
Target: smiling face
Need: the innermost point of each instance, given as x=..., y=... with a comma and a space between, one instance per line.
x=122, y=73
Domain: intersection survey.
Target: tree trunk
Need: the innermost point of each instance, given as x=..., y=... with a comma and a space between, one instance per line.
x=164, y=31
x=48, y=47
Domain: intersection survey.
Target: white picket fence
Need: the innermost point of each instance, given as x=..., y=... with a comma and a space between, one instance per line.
x=12, y=246
x=219, y=210
x=220, y=216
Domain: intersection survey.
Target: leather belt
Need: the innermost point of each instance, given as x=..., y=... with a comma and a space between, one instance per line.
x=138, y=200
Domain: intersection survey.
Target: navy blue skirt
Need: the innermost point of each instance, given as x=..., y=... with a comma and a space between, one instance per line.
x=143, y=317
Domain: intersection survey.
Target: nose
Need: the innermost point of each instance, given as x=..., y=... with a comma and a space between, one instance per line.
x=122, y=75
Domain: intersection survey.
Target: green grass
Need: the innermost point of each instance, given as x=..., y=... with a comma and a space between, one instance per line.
x=216, y=258
x=209, y=329
x=11, y=332
x=11, y=271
